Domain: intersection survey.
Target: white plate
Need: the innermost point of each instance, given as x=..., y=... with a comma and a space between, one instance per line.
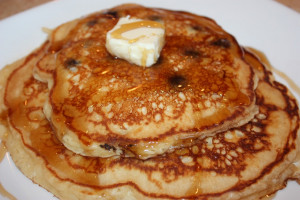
x=262, y=24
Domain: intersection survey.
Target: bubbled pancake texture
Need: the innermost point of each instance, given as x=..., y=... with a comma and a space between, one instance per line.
x=103, y=106
x=248, y=161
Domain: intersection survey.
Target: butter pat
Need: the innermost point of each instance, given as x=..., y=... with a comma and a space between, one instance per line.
x=137, y=41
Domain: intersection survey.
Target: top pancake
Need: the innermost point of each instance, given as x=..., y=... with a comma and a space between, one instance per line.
x=102, y=106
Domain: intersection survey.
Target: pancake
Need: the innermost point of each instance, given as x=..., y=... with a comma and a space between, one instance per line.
x=103, y=106
x=245, y=162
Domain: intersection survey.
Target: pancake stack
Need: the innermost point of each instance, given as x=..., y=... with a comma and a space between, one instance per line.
x=207, y=121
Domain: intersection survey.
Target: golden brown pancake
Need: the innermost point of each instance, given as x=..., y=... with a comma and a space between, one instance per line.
x=102, y=106
x=246, y=162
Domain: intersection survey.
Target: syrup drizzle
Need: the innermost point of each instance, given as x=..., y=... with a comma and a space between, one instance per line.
x=6, y=194
x=135, y=25
x=3, y=151
x=289, y=81
x=283, y=75
x=3, y=191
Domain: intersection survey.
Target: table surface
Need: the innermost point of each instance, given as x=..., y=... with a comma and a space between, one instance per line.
x=11, y=7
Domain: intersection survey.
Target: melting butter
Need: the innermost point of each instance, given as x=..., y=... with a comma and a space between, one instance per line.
x=136, y=41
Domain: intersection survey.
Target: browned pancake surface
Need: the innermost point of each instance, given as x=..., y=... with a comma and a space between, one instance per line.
x=247, y=162
x=102, y=106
